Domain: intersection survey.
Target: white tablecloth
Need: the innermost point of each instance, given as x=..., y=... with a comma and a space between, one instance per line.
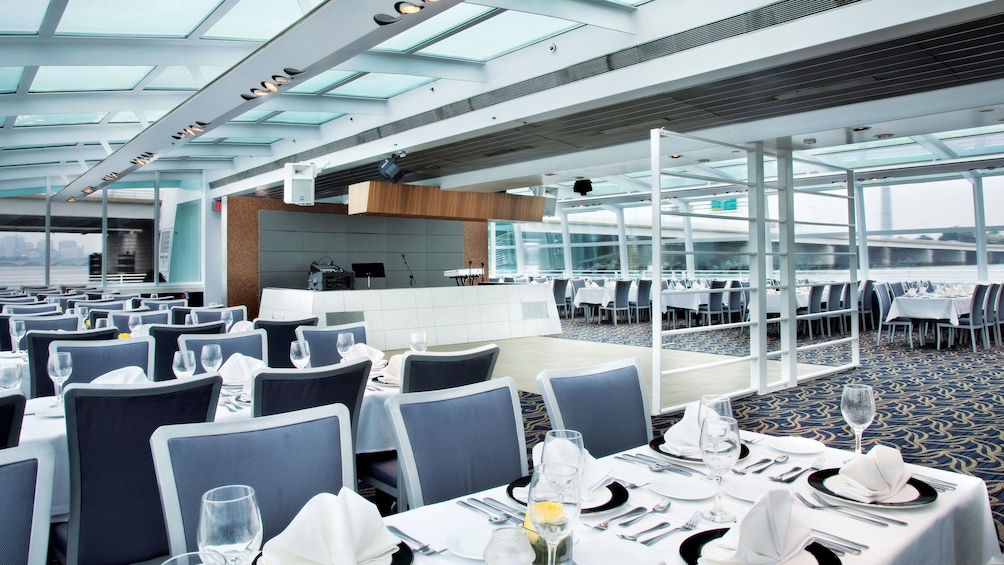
x=373, y=435
x=930, y=308
x=683, y=299
x=774, y=301
x=601, y=295
x=957, y=528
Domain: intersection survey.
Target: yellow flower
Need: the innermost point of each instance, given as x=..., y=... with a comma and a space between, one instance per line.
x=548, y=510
x=124, y=336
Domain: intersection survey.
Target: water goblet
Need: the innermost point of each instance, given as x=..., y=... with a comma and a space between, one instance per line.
x=299, y=353
x=857, y=404
x=212, y=357
x=17, y=331
x=135, y=321
x=82, y=312
x=227, y=317
x=100, y=323
x=714, y=404
x=564, y=446
x=164, y=307
x=230, y=524
x=418, y=341
x=344, y=343
x=10, y=377
x=553, y=503
x=190, y=319
x=183, y=364
x=59, y=367
x=196, y=558
x=720, y=448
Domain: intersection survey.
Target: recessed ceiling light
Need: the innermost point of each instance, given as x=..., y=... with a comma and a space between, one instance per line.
x=883, y=135
x=861, y=128
x=675, y=156
x=259, y=92
x=88, y=190
x=247, y=97
x=270, y=86
x=407, y=8
x=71, y=199
x=809, y=141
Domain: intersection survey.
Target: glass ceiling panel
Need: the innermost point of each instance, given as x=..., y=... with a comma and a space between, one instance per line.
x=10, y=78
x=432, y=28
x=205, y=140
x=321, y=82
x=252, y=140
x=497, y=36
x=258, y=20
x=122, y=18
x=173, y=78
x=977, y=144
x=22, y=17
x=253, y=115
x=903, y=152
x=59, y=119
x=129, y=117
x=70, y=79
x=380, y=85
x=311, y=118
x=38, y=146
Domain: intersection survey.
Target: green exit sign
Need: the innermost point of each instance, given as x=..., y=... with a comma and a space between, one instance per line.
x=724, y=205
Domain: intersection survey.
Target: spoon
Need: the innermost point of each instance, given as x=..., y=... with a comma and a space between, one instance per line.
x=491, y=517
x=634, y=537
x=657, y=509
x=779, y=459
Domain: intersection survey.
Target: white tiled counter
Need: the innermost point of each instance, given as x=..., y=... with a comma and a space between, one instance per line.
x=448, y=315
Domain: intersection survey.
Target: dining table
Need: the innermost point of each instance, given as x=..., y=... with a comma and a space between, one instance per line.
x=930, y=307
x=953, y=526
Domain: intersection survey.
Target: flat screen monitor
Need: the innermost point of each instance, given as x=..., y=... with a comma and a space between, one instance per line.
x=363, y=270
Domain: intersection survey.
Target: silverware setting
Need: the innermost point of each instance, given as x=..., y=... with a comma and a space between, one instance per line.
x=606, y=523
x=829, y=504
x=806, y=502
x=630, y=485
x=672, y=464
x=634, y=537
x=782, y=458
x=687, y=526
x=657, y=509
x=509, y=512
x=654, y=467
x=844, y=541
x=937, y=484
x=798, y=472
x=422, y=548
x=746, y=469
x=493, y=518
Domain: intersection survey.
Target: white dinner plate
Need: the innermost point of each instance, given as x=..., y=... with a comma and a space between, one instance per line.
x=605, y=550
x=682, y=488
x=51, y=412
x=469, y=543
x=714, y=551
x=748, y=488
x=796, y=445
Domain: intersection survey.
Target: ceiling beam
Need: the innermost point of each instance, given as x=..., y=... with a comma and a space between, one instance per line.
x=607, y=15
x=79, y=102
x=107, y=51
x=303, y=103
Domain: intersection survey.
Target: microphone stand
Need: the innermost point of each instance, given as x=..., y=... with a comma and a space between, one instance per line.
x=411, y=276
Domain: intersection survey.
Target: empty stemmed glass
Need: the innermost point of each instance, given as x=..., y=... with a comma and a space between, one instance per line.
x=212, y=357
x=59, y=366
x=227, y=317
x=717, y=404
x=858, y=407
x=299, y=353
x=135, y=321
x=17, y=331
x=344, y=343
x=720, y=450
x=563, y=446
x=418, y=341
x=10, y=377
x=183, y=364
x=554, y=503
x=230, y=524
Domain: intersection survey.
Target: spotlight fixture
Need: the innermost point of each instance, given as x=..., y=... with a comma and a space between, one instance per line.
x=270, y=86
x=176, y=136
x=201, y=124
x=71, y=199
x=386, y=19
x=675, y=156
x=247, y=97
x=110, y=177
x=389, y=170
x=583, y=187
x=281, y=79
x=861, y=128
x=702, y=161
x=259, y=92
x=291, y=71
x=407, y=8
x=88, y=190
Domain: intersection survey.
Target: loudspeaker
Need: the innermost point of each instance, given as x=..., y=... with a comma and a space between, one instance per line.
x=298, y=184
x=389, y=170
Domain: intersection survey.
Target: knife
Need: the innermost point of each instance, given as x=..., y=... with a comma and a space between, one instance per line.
x=512, y=517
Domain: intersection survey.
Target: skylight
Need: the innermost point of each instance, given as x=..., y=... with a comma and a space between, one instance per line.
x=129, y=117
x=497, y=36
x=70, y=79
x=252, y=116
x=432, y=28
x=258, y=20
x=29, y=120
x=22, y=17
x=10, y=78
x=177, y=18
x=380, y=85
x=309, y=118
x=252, y=140
x=321, y=82
x=173, y=78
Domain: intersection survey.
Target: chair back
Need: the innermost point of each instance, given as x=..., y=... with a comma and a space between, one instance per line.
x=735, y=296
x=990, y=310
x=644, y=292
x=165, y=338
x=622, y=294
x=977, y=306
x=11, y=416
x=323, y=339
x=65, y=322
x=866, y=296
x=560, y=288
x=121, y=319
x=430, y=370
x=91, y=359
x=277, y=391
x=605, y=402
x=834, y=297
x=29, y=308
x=280, y=334
x=26, y=475
x=715, y=298
x=252, y=344
x=113, y=485
x=897, y=289
x=883, y=300
x=178, y=314
x=206, y=315
x=576, y=285
x=37, y=343
x=5, y=340
x=18, y=300
x=458, y=441
x=157, y=303
x=816, y=298
x=295, y=456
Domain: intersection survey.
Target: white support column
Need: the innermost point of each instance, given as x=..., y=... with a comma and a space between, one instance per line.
x=156, y=228
x=104, y=238
x=861, y=225
x=517, y=235
x=688, y=238
x=979, y=211
x=622, y=247
x=656, y=142
x=566, y=242
x=789, y=280
x=48, y=230
x=853, y=218
x=758, y=275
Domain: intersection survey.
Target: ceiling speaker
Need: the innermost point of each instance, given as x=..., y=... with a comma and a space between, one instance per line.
x=583, y=187
x=389, y=170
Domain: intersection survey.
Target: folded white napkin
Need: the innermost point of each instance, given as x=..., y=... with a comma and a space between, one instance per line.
x=680, y=287
x=911, y=292
x=767, y=534
x=333, y=530
x=241, y=326
x=392, y=372
x=875, y=476
x=141, y=330
x=124, y=376
x=684, y=437
x=595, y=474
x=237, y=370
x=593, y=285
x=360, y=350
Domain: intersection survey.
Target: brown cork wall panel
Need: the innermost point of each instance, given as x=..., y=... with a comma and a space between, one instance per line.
x=476, y=244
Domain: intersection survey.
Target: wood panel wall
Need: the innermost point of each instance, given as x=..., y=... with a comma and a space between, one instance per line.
x=389, y=199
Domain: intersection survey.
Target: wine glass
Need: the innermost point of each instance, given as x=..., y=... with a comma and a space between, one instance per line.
x=100, y=323
x=212, y=357
x=553, y=503
x=59, y=366
x=230, y=524
x=135, y=321
x=717, y=404
x=720, y=450
x=190, y=319
x=196, y=558
x=858, y=407
x=345, y=342
x=563, y=446
x=299, y=353
x=82, y=311
x=183, y=364
x=17, y=331
x=227, y=317
x=418, y=341
x=10, y=376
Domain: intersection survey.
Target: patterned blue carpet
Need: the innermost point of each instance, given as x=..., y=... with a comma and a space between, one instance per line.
x=940, y=408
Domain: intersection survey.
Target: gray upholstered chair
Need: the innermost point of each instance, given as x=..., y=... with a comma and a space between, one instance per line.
x=295, y=456
x=165, y=337
x=91, y=359
x=18, y=300
x=643, y=301
x=458, y=441
x=45, y=321
x=280, y=334
x=11, y=415
x=29, y=308
x=37, y=343
x=973, y=321
x=252, y=343
x=205, y=315
x=26, y=475
x=435, y=370
x=882, y=304
x=115, y=510
x=605, y=402
x=714, y=305
x=161, y=303
x=322, y=341
x=620, y=303
x=120, y=320
x=560, y=289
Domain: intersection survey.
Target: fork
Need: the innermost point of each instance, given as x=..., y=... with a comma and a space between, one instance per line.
x=816, y=465
x=606, y=523
x=422, y=548
x=829, y=504
x=654, y=467
x=689, y=525
x=806, y=502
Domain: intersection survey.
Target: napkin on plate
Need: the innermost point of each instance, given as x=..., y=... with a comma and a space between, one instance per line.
x=875, y=476
x=683, y=438
x=241, y=326
x=237, y=370
x=360, y=350
x=124, y=376
x=680, y=287
x=595, y=474
x=911, y=292
x=392, y=372
x=767, y=534
x=333, y=530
